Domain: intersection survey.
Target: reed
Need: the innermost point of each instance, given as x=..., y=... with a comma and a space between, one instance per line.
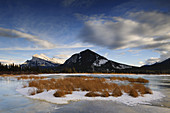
x=95, y=87
x=30, y=77
x=92, y=94
x=139, y=80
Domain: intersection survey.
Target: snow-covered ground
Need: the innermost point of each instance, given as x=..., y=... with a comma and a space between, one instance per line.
x=80, y=95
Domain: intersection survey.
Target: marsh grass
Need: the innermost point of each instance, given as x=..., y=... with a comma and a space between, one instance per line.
x=24, y=77
x=60, y=93
x=117, y=92
x=140, y=80
x=133, y=93
x=142, y=89
x=94, y=86
x=7, y=75
x=92, y=94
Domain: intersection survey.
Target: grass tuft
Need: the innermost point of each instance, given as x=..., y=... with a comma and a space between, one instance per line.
x=23, y=77
x=117, y=92
x=59, y=93
x=139, y=80
x=92, y=94
x=133, y=93
x=95, y=87
x=105, y=94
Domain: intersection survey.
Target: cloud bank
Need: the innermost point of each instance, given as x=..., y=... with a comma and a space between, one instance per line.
x=17, y=34
x=44, y=44
x=139, y=30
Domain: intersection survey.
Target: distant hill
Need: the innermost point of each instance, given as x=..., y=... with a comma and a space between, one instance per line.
x=89, y=61
x=164, y=65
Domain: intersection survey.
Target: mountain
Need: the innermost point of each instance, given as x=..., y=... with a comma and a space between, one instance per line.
x=43, y=61
x=89, y=61
x=44, y=57
x=164, y=65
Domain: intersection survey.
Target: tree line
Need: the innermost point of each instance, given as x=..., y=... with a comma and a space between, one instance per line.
x=19, y=69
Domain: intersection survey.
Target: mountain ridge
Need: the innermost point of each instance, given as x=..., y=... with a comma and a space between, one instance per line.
x=42, y=61
x=89, y=61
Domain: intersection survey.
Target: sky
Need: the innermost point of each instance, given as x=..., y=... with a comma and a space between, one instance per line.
x=134, y=32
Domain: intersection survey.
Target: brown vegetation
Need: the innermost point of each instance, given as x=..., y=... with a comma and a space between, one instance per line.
x=95, y=86
x=6, y=75
x=126, y=88
x=92, y=94
x=133, y=93
x=140, y=80
x=59, y=94
x=30, y=77
x=105, y=94
x=141, y=88
x=117, y=92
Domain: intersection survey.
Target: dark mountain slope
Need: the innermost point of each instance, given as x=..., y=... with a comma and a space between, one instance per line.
x=89, y=61
x=164, y=65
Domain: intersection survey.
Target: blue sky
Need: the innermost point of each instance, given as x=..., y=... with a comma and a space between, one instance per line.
x=134, y=32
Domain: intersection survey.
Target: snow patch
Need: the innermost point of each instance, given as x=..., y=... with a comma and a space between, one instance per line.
x=80, y=95
x=44, y=57
x=100, y=62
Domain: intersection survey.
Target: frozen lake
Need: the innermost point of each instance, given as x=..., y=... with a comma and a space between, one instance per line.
x=13, y=102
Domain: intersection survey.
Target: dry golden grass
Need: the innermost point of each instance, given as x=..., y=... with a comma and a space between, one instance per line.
x=133, y=93
x=95, y=86
x=140, y=80
x=117, y=92
x=59, y=94
x=92, y=94
x=30, y=77
x=126, y=88
x=6, y=75
x=142, y=89
x=105, y=94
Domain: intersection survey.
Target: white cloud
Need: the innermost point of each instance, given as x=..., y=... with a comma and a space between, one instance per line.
x=7, y=61
x=152, y=60
x=22, y=48
x=11, y=61
x=75, y=45
x=140, y=30
x=122, y=53
x=141, y=63
x=62, y=56
x=17, y=34
x=134, y=51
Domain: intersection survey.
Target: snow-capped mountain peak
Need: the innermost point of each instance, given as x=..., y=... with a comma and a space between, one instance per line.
x=44, y=57
x=43, y=61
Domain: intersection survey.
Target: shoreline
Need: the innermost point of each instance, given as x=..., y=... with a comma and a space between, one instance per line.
x=85, y=74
